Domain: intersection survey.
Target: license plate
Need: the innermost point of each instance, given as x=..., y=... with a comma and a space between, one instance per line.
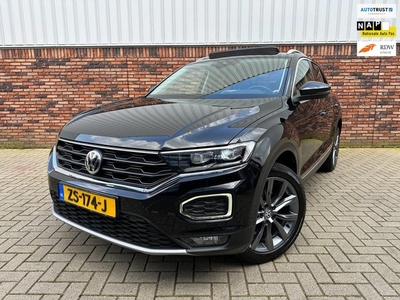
x=94, y=202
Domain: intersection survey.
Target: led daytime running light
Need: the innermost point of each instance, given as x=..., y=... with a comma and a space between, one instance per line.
x=204, y=159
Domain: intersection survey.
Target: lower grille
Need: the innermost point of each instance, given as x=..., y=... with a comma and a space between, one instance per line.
x=207, y=207
x=127, y=228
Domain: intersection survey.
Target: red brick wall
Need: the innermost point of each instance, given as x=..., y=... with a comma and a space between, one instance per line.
x=40, y=89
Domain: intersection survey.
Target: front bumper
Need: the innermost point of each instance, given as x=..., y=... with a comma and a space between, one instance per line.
x=152, y=222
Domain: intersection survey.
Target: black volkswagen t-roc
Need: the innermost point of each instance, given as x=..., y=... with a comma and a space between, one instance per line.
x=211, y=161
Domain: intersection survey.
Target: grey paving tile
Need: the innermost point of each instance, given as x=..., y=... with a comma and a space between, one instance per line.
x=120, y=289
x=309, y=284
x=5, y=288
x=166, y=284
x=22, y=297
x=147, y=291
x=266, y=289
x=49, y=288
x=139, y=277
x=74, y=276
x=253, y=274
x=119, y=272
x=294, y=291
x=185, y=272
x=220, y=291
x=193, y=289
x=237, y=283
x=96, y=283
x=26, y=283
x=53, y=271
x=345, y=290
x=74, y=291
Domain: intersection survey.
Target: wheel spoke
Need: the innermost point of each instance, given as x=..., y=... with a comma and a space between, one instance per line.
x=260, y=218
x=285, y=202
x=257, y=240
x=281, y=192
x=270, y=186
x=336, y=149
x=281, y=230
x=269, y=243
x=287, y=217
x=263, y=200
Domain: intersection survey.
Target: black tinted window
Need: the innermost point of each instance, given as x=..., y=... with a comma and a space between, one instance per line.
x=303, y=75
x=238, y=77
x=317, y=73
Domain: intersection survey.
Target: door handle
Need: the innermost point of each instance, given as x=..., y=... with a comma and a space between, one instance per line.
x=323, y=113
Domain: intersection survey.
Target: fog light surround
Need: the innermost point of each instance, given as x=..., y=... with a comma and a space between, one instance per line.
x=203, y=241
x=207, y=207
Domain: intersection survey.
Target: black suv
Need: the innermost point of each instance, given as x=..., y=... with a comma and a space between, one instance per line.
x=211, y=161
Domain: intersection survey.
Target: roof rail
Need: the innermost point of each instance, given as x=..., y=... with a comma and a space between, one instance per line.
x=265, y=50
x=202, y=58
x=293, y=51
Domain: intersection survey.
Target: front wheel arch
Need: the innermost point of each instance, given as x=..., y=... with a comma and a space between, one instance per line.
x=279, y=215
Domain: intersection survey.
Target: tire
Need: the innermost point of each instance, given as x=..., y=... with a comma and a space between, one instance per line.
x=280, y=216
x=330, y=163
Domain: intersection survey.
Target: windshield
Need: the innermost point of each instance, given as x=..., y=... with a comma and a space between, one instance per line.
x=234, y=77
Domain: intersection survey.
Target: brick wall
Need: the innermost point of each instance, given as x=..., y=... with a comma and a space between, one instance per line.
x=40, y=89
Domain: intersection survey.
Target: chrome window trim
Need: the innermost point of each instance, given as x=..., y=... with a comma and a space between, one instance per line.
x=295, y=73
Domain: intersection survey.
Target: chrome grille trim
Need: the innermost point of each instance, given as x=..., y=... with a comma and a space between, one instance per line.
x=108, y=147
x=120, y=166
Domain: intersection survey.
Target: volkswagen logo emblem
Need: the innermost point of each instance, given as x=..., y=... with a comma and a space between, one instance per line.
x=93, y=161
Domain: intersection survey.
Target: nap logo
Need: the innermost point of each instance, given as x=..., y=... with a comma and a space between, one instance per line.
x=376, y=29
x=372, y=25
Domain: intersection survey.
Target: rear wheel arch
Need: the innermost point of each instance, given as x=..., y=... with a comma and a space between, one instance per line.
x=330, y=163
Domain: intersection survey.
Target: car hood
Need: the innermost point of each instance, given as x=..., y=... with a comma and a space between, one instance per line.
x=153, y=124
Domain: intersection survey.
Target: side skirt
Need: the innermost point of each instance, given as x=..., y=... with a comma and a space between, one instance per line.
x=317, y=165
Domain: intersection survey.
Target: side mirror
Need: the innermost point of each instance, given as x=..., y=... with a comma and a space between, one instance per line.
x=313, y=90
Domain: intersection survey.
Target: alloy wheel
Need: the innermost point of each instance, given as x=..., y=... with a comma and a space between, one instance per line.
x=277, y=215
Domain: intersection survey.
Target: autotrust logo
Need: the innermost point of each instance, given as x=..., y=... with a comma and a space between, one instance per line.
x=376, y=11
x=93, y=161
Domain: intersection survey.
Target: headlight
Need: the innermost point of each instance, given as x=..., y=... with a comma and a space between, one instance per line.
x=209, y=158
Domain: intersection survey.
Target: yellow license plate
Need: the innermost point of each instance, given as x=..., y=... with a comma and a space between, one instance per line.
x=94, y=202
